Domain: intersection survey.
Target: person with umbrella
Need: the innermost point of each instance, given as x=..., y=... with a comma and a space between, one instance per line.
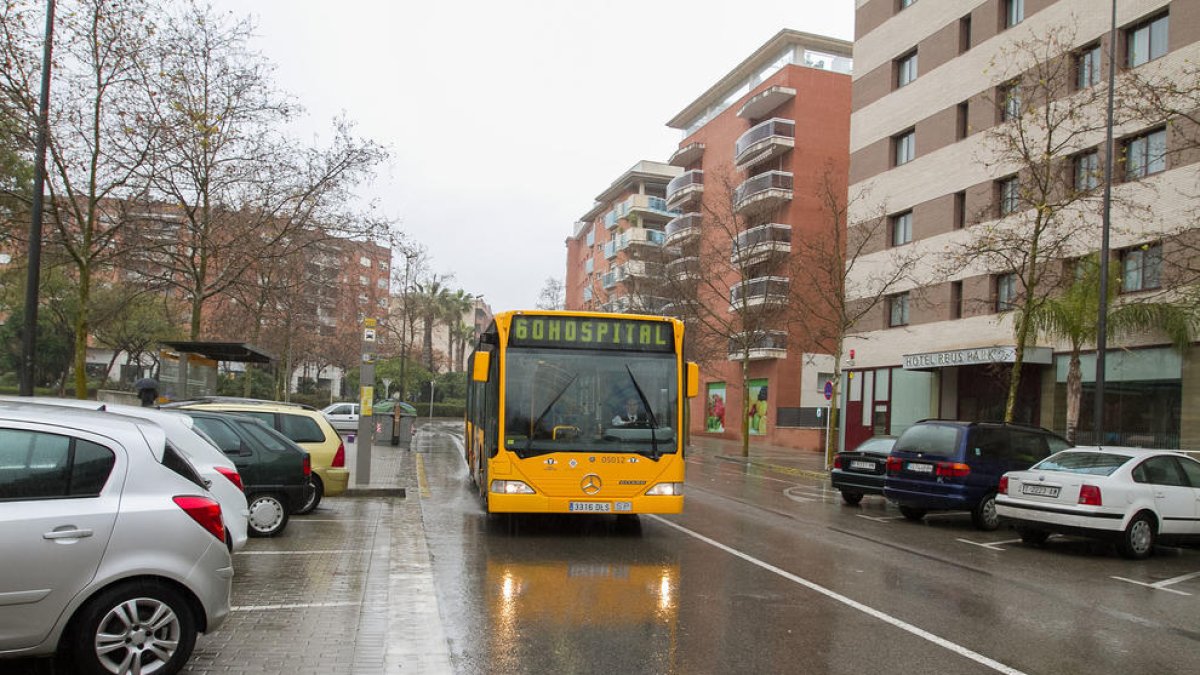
x=147, y=391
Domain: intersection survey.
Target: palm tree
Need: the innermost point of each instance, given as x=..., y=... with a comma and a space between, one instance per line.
x=431, y=302
x=1072, y=317
x=457, y=303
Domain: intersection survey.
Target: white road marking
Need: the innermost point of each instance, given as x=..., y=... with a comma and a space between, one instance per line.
x=993, y=545
x=797, y=498
x=315, y=552
x=854, y=604
x=302, y=519
x=879, y=519
x=298, y=605
x=1162, y=585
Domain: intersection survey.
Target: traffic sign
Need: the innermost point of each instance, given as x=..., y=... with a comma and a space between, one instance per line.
x=828, y=389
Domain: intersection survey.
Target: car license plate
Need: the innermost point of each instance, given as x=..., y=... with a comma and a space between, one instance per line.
x=865, y=466
x=920, y=468
x=1041, y=490
x=590, y=507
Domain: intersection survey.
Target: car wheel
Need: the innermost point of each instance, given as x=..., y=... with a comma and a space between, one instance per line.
x=1137, y=541
x=268, y=515
x=984, y=514
x=135, y=627
x=852, y=498
x=912, y=513
x=316, y=490
x=1031, y=537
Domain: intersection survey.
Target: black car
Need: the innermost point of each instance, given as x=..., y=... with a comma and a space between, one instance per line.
x=275, y=471
x=861, y=471
x=954, y=465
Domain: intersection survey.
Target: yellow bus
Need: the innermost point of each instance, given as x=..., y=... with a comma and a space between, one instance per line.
x=578, y=412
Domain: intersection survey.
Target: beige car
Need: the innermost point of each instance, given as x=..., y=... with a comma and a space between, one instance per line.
x=305, y=426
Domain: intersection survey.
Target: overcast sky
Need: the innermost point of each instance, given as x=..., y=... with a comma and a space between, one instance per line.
x=506, y=119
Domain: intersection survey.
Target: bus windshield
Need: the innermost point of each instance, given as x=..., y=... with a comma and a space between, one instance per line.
x=560, y=400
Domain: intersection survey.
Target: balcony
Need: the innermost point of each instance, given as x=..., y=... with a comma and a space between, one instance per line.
x=762, y=243
x=640, y=269
x=759, y=291
x=684, y=269
x=762, y=103
x=611, y=277
x=764, y=142
x=763, y=192
x=683, y=229
x=770, y=345
x=685, y=189
x=687, y=155
x=641, y=236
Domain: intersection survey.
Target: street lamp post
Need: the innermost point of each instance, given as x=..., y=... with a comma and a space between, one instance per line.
x=1102, y=317
x=34, y=271
x=431, y=400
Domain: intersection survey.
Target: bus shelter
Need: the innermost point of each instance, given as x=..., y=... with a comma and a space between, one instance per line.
x=188, y=369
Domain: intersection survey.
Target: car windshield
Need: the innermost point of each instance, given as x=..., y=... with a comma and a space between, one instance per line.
x=1090, y=463
x=560, y=400
x=929, y=439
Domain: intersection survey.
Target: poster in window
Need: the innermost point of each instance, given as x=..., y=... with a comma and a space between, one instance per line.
x=756, y=407
x=714, y=413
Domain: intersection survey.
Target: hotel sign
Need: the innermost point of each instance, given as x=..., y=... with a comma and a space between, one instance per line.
x=976, y=356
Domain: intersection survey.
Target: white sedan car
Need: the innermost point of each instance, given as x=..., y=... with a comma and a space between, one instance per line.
x=1132, y=496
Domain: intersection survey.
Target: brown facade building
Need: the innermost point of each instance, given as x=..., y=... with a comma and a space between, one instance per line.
x=709, y=236
x=978, y=117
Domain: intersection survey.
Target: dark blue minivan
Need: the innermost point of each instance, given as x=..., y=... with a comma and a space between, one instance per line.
x=948, y=465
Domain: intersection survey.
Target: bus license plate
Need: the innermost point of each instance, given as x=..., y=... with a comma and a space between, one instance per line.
x=590, y=507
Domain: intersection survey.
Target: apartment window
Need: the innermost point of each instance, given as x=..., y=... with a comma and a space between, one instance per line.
x=364, y=261
x=1010, y=195
x=587, y=294
x=362, y=281
x=902, y=228
x=1146, y=41
x=1087, y=66
x=898, y=309
x=907, y=3
x=956, y=300
x=591, y=238
x=1146, y=154
x=1014, y=12
x=962, y=120
x=589, y=265
x=1087, y=171
x=964, y=34
x=906, y=69
x=960, y=209
x=1141, y=268
x=904, y=147
x=1006, y=292
x=1009, y=97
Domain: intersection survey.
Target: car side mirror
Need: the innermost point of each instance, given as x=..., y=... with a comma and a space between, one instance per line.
x=480, y=365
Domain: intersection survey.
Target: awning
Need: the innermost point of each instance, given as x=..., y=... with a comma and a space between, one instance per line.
x=240, y=352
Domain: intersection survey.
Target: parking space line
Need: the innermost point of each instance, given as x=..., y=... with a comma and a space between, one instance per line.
x=327, y=520
x=314, y=552
x=879, y=519
x=797, y=498
x=993, y=545
x=1162, y=585
x=854, y=604
x=296, y=605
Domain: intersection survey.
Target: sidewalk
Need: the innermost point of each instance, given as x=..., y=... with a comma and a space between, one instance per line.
x=393, y=469
x=778, y=458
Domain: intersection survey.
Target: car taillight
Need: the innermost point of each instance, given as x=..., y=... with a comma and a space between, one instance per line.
x=204, y=511
x=307, y=464
x=1089, y=495
x=339, y=457
x=1004, y=484
x=952, y=469
x=233, y=476
x=893, y=464
x=837, y=461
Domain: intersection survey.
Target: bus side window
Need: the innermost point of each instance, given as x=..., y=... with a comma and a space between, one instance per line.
x=491, y=407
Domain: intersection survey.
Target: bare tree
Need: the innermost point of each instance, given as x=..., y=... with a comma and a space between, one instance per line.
x=1046, y=207
x=244, y=192
x=552, y=295
x=843, y=287
x=96, y=152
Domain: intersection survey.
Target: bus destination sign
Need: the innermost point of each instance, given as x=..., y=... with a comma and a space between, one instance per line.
x=591, y=332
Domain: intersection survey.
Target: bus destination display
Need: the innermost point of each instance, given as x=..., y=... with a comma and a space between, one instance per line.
x=591, y=332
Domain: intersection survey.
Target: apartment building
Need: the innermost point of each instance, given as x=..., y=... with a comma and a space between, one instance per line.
x=712, y=229
x=941, y=88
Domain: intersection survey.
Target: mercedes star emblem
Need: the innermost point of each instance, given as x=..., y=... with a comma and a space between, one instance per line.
x=590, y=484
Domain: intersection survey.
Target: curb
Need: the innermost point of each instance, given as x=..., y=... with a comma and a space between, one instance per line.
x=777, y=468
x=375, y=492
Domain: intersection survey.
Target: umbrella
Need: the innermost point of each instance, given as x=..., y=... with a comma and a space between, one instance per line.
x=146, y=383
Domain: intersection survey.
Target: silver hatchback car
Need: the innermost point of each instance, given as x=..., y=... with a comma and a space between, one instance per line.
x=113, y=551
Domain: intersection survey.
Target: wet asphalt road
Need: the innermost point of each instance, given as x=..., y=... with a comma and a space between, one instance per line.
x=764, y=572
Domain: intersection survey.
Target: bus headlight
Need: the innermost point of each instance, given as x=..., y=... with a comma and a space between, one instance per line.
x=666, y=489
x=511, y=487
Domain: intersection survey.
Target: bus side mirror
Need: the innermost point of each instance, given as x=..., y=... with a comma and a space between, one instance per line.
x=693, y=379
x=480, y=364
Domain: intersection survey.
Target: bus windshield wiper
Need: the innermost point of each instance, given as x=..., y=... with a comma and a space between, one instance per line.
x=529, y=439
x=649, y=411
